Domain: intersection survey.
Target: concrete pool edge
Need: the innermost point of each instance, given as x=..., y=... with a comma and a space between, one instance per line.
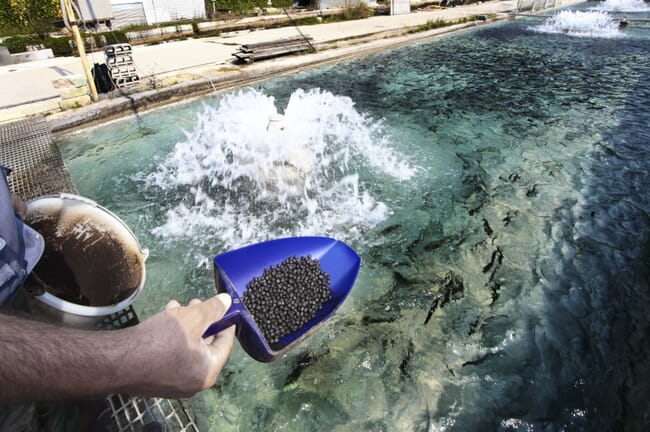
x=335, y=44
x=140, y=102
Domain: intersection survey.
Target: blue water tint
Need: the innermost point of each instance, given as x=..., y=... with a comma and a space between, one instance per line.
x=504, y=283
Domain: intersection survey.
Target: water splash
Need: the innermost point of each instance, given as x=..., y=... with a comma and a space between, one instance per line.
x=247, y=173
x=584, y=24
x=623, y=6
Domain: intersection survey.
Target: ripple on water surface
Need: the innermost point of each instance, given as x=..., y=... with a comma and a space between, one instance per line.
x=494, y=183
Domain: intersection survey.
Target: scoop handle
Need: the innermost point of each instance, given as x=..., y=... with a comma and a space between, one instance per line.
x=232, y=316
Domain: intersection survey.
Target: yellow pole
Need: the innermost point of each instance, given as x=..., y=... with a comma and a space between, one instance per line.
x=82, y=50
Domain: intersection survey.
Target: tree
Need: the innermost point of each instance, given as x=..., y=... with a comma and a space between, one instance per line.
x=31, y=16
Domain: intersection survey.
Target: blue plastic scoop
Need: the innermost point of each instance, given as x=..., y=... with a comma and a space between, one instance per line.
x=234, y=270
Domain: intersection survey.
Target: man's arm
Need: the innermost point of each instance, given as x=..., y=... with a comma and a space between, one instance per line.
x=163, y=356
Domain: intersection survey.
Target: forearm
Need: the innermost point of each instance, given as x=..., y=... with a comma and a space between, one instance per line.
x=39, y=361
x=165, y=355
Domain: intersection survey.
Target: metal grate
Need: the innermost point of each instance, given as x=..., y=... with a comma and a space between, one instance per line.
x=118, y=320
x=26, y=147
x=130, y=414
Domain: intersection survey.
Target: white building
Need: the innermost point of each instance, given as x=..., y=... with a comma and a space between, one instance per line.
x=127, y=12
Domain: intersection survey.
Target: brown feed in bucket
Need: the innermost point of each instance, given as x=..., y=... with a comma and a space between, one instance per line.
x=88, y=260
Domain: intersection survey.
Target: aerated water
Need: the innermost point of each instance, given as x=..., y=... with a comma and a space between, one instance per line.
x=495, y=183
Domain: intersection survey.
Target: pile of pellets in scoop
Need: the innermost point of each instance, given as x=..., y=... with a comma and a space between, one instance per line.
x=287, y=296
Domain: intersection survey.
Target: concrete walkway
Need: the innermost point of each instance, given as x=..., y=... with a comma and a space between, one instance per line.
x=28, y=88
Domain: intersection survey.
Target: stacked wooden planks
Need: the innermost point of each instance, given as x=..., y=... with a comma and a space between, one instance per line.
x=248, y=53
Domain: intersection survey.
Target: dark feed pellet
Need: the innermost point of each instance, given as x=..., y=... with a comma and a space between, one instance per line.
x=286, y=296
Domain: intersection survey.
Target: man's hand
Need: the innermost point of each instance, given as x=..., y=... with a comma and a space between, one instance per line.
x=180, y=362
x=163, y=356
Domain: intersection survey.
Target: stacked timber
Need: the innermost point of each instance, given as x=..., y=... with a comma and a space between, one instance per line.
x=258, y=51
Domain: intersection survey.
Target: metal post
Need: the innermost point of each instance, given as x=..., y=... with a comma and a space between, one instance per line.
x=82, y=50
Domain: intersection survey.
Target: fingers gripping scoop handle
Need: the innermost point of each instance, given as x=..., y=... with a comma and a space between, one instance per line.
x=232, y=317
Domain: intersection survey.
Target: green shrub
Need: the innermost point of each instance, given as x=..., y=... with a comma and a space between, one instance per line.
x=18, y=44
x=8, y=28
x=308, y=21
x=242, y=7
x=61, y=46
x=357, y=9
x=111, y=37
x=137, y=27
x=208, y=8
x=239, y=7
x=430, y=25
x=282, y=3
x=28, y=17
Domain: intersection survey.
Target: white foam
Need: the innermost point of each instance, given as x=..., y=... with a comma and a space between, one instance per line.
x=582, y=24
x=238, y=180
x=623, y=6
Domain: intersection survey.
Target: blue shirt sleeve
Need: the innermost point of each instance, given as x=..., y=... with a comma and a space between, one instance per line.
x=20, y=246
